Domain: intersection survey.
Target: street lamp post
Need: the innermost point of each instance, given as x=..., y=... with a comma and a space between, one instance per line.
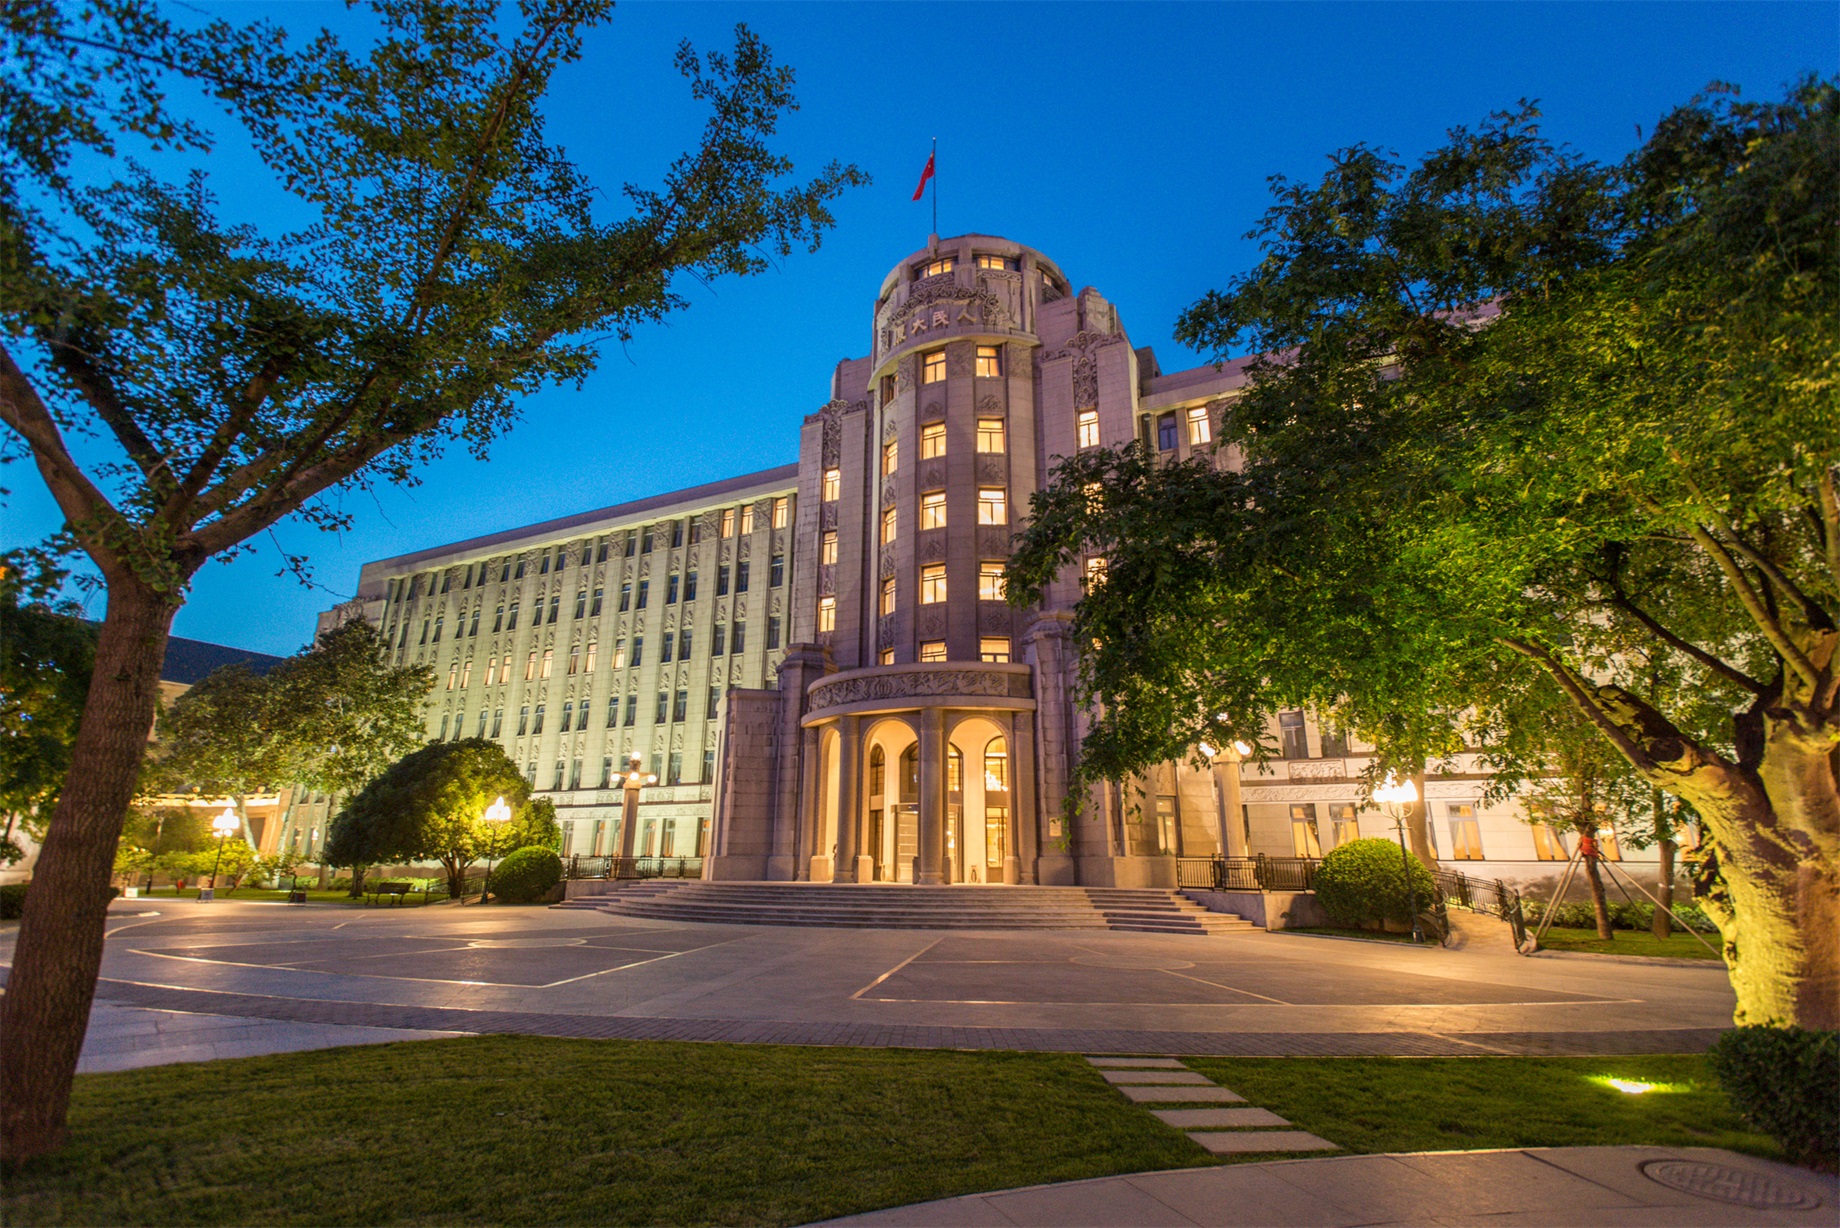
x=495, y=814
x=1396, y=795
x=1223, y=767
x=629, y=815
x=223, y=825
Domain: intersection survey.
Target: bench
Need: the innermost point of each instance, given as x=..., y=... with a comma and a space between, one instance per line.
x=396, y=890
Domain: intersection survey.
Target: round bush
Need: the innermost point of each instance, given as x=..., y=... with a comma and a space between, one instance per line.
x=1786, y=1082
x=1363, y=882
x=526, y=875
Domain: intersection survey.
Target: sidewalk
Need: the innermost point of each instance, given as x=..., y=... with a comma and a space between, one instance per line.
x=1649, y=1186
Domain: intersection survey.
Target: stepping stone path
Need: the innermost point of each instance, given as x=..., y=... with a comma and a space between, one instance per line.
x=1223, y=1131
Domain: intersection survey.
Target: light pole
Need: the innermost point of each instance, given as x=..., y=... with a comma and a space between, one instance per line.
x=223, y=825
x=1396, y=795
x=629, y=815
x=495, y=814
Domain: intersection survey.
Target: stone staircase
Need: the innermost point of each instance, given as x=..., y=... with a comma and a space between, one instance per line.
x=892, y=906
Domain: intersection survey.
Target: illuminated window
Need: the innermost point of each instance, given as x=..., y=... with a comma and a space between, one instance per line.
x=886, y=603
x=933, y=510
x=932, y=440
x=593, y=651
x=932, y=650
x=932, y=366
x=1089, y=428
x=747, y=517
x=884, y=657
x=994, y=262
x=827, y=614
x=728, y=522
x=549, y=655
x=891, y=457
x=1305, y=842
x=1200, y=430
x=453, y=675
x=994, y=648
x=827, y=548
x=1548, y=844
x=990, y=435
x=1465, y=838
x=781, y=507
x=990, y=581
x=932, y=583
x=1343, y=824
x=888, y=525
x=574, y=659
x=989, y=361
x=833, y=485
x=530, y=666
x=993, y=505
x=1607, y=847
x=1095, y=570
x=934, y=268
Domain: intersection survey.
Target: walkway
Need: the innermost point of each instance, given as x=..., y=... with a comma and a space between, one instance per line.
x=1657, y=1187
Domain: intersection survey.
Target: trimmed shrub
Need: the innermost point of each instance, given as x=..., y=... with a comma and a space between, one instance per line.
x=1363, y=882
x=526, y=875
x=13, y=901
x=1577, y=914
x=1785, y=1082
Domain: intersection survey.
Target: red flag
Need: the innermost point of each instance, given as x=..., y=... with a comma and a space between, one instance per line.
x=924, y=176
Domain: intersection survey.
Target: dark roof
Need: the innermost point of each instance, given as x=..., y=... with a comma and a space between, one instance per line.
x=188, y=661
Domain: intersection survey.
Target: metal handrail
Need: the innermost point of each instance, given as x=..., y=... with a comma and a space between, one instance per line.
x=579, y=866
x=1259, y=873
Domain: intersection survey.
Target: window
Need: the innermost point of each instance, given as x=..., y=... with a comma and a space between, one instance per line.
x=447, y=581
x=738, y=642
x=932, y=367
x=674, y=772
x=498, y=720
x=887, y=389
x=442, y=736
x=1607, y=847
x=453, y=675
x=833, y=485
x=709, y=767
x=556, y=784
x=536, y=721
x=885, y=606
x=885, y=657
x=932, y=650
x=990, y=581
x=644, y=588
x=544, y=569
x=696, y=531
x=683, y=645
x=776, y=571
x=1344, y=826
x=581, y=603
x=1089, y=428
x=549, y=656
x=888, y=525
x=994, y=648
x=523, y=720
x=1334, y=743
x=827, y=548
x=632, y=544
x=1166, y=432
x=993, y=262
x=670, y=643
x=594, y=609
x=466, y=673
x=1548, y=844
x=632, y=711
x=722, y=581
x=990, y=435
x=891, y=457
x=932, y=583
x=601, y=555
x=993, y=505
x=747, y=518
x=677, y=534
x=741, y=576
x=1200, y=430
x=613, y=713
x=690, y=585
x=932, y=440
x=827, y=614
x=989, y=362
x=782, y=508
x=555, y=607
x=568, y=715
x=437, y=628
x=728, y=522
x=664, y=707
x=1465, y=837
x=1305, y=842
x=638, y=655
x=625, y=597
x=718, y=644
x=934, y=268
x=474, y=628
x=714, y=703
x=520, y=569
x=680, y=705
x=530, y=665
x=670, y=589
x=607, y=769
x=933, y=510
x=498, y=619
x=772, y=631
x=1291, y=736
x=645, y=540
x=480, y=732
x=619, y=653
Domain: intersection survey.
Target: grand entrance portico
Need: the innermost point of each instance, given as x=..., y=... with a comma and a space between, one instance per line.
x=913, y=775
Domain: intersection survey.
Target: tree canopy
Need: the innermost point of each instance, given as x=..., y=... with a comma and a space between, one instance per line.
x=46, y=652
x=1519, y=421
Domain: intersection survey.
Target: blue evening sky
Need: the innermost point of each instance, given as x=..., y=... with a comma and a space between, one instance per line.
x=1131, y=143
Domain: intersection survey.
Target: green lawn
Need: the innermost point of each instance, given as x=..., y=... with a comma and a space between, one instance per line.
x=271, y=895
x=1363, y=935
x=526, y=1130
x=1629, y=942
x=1446, y=1104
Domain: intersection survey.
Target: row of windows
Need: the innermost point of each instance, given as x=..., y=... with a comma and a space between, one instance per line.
x=994, y=649
x=992, y=508
x=945, y=264
x=621, y=712
x=667, y=769
x=1465, y=833
x=677, y=645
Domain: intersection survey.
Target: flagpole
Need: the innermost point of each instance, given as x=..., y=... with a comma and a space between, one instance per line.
x=933, y=160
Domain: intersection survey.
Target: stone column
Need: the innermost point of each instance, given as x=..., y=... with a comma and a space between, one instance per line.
x=1019, y=866
x=932, y=859
x=849, y=802
x=803, y=665
x=1232, y=812
x=629, y=815
x=811, y=786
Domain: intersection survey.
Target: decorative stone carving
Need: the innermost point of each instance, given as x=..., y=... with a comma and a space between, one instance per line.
x=884, y=631
x=904, y=375
x=830, y=416
x=932, y=546
x=827, y=516
x=932, y=621
x=933, y=412
x=960, y=360
x=916, y=684
x=993, y=619
x=888, y=494
x=827, y=580
x=887, y=566
x=992, y=467
x=1318, y=769
x=991, y=406
x=1082, y=347
x=890, y=428
x=932, y=473
x=993, y=541
x=939, y=302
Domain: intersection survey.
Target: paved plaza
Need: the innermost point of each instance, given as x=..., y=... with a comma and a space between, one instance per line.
x=182, y=980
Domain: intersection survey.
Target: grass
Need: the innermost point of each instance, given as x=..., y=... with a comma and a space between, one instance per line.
x=529, y=1130
x=1629, y=942
x=270, y=895
x=1444, y=1104
x=1346, y=932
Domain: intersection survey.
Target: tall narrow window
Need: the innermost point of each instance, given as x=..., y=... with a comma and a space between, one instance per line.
x=670, y=589
x=555, y=607
x=1200, y=430
x=738, y=642
x=521, y=564
x=989, y=362
x=772, y=631
x=827, y=614
x=690, y=585
x=932, y=440
x=581, y=717
x=728, y=522
x=990, y=435
x=568, y=715
x=523, y=720
x=674, y=770
x=543, y=568
x=1089, y=428
x=670, y=642
x=827, y=548
x=990, y=580
x=644, y=588
x=1465, y=836
x=1291, y=735
x=833, y=485
x=473, y=629
x=632, y=711
x=932, y=584
x=933, y=510
x=581, y=603
x=1344, y=823
x=645, y=540
x=663, y=709
x=932, y=366
x=722, y=581
x=680, y=705
x=891, y=457
x=718, y=643
x=1166, y=432
x=530, y=665
x=437, y=628
x=638, y=653
x=683, y=644
x=932, y=650
x=696, y=531
x=1548, y=844
x=613, y=711
x=714, y=703
x=885, y=606
x=536, y=721
x=607, y=769
x=994, y=648
x=747, y=518
x=481, y=731
x=498, y=619
x=741, y=576
x=442, y=736
x=1305, y=840
x=781, y=511
x=594, y=608
x=885, y=657
x=466, y=673
x=574, y=659
x=625, y=597
x=632, y=544
x=453, y=675
x=619, y=653
x=498, y=721
x=888, y=525
x=677, y=534
x=548, y=660
x=993, y=505
x=776, y=571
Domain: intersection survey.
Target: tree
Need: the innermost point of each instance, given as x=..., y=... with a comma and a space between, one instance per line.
x=432, y=803
x=1517, y=412
x=45, y=658
x=229, y=735
x=450, y=261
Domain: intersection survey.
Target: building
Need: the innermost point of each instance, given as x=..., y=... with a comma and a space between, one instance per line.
x=817, y=661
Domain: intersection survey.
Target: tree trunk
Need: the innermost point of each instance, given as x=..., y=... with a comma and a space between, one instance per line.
x=45, y=1011
x=1664, y=890
x=357, y=883
x=456, y=876
x=1418, y=826
x=1599, y=905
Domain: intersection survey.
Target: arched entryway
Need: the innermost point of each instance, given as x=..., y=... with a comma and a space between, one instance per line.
x=980, y=815
x=891, y=802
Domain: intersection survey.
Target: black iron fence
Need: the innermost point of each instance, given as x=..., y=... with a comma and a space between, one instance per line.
x=1491, y=897
x=632, y=867
x=1259, y=873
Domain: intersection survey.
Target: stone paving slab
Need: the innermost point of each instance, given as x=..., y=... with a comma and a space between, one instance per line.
x=1154, y=1076
x=1534, y=1186
x=1182, y=1095
x=1137, y=1063
x=131, y=1038
x=1241, y=1142
x=1219, y=1119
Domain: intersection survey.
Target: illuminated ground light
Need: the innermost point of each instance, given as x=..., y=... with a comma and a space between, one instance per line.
x=1633, y=1087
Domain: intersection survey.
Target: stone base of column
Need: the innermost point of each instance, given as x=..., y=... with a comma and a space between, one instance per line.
x=1055, y=870
x=1012, y=870
x=782, y=869
x=821, y=870
x=865, y=869
x=928, y=879
x=1127, y=871
x=736, y=869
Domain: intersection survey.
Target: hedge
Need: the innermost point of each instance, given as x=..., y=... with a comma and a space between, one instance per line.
x=1364, y=882
x=527, y=875
x=1623, y=916
x=1786, y=1082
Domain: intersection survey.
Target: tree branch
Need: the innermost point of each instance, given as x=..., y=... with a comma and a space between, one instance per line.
x=1811, y=609
x=1830, y=519
x=100, y=393
x=77, y=497
x=1586, y=703
x=1755, y=607
x=1731, y=673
